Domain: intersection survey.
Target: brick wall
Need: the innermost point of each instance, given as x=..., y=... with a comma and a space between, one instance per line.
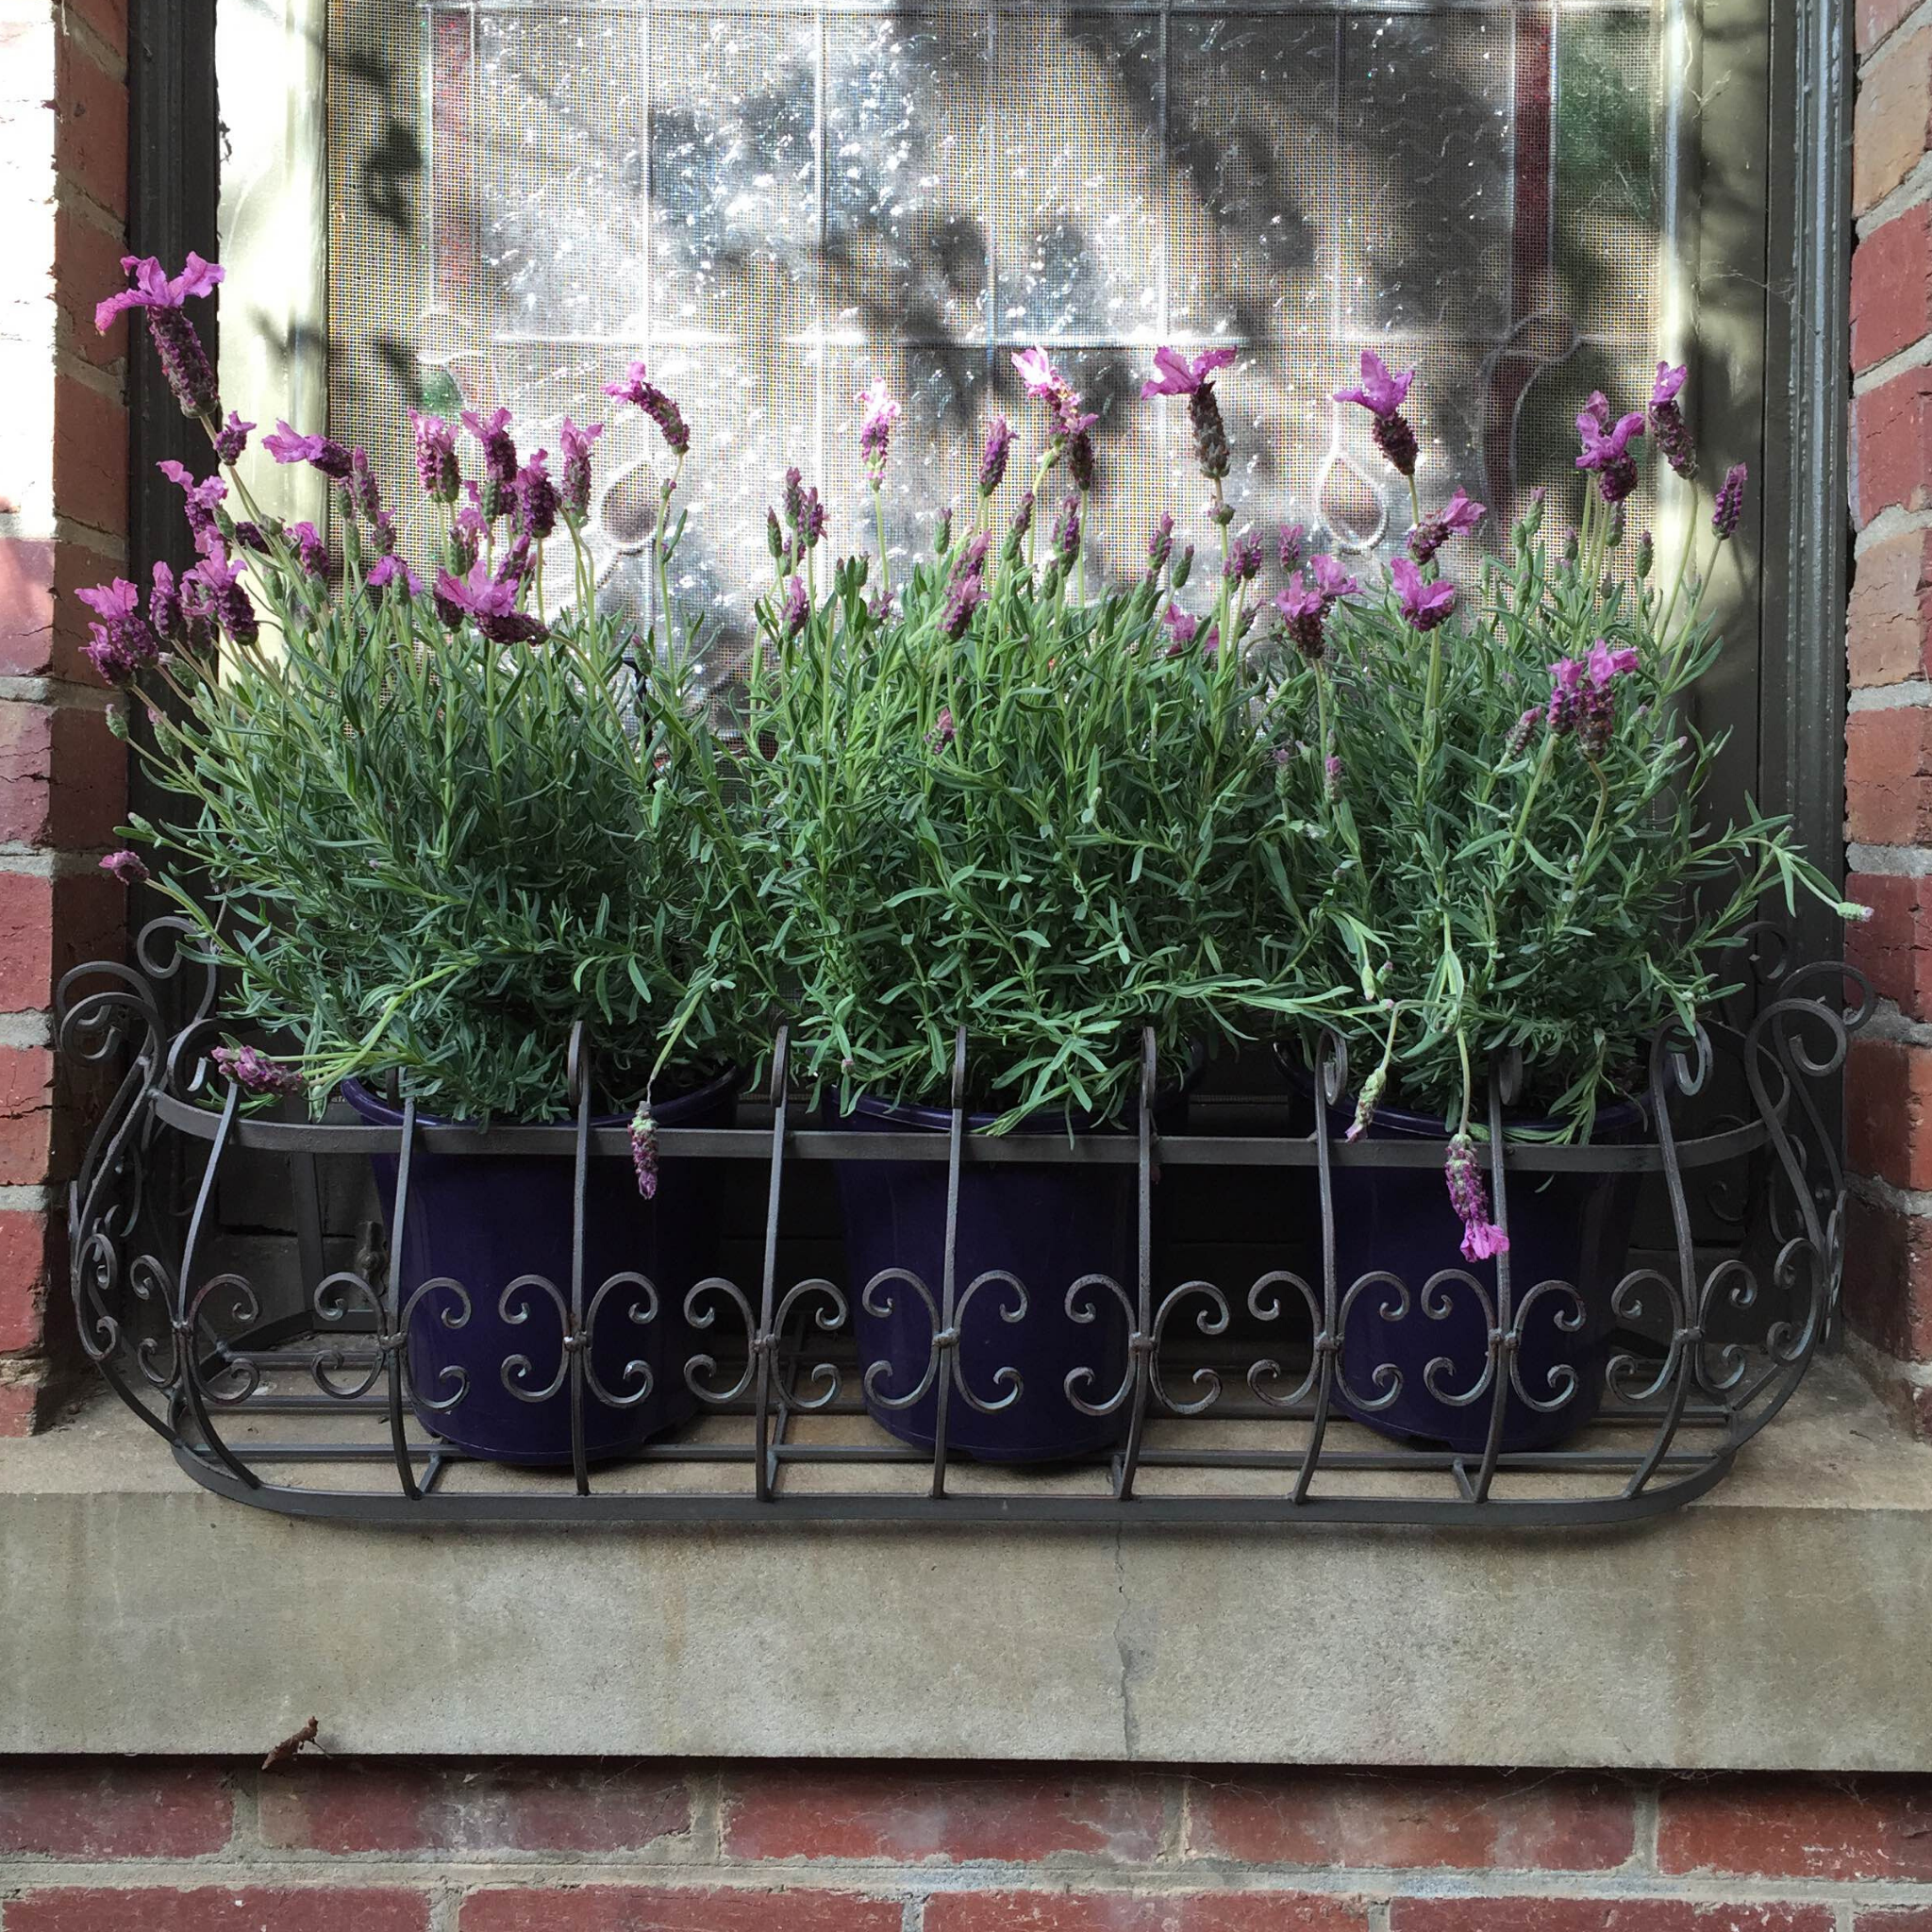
x=1889, y=734
x=606, y=1847
x=64, y=523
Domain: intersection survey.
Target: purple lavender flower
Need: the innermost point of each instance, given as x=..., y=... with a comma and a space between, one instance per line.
x=126, y=868
x=1046, y=384
x=1243, y=562
x=1332, y=580
x=1080, y=461
x=1183, y=627
x=1481, y=1238
x=1606, y=449
x=184, y=361
x=382, y=533
x=231, y=439
x=467, y=535
x=964, y=597
x=1382, y=393
x=363, y=492
x=1566, y=687
x=1667, y=420
x=992, y=457
x=1730, y=502
x=254, y=1072
x=389, y=571
x=201, y=496
x=643, y=1149
x=942, y=731
x=1521, y=733
x=1174, y=374
x=1066, y=529
x=498, y=445
x=637, y=387
x=227, y=600
x=435, y=457
x=1606, y=663
x=122, y=641
x=536, y=496
x=1023, y=519
x=515, y=566
x=796, y=608
x=1294, y=542
x=1456, y=517
x=311, y=552
x=1331, y=773
x=878, y=413
x=811, y=518
x=490, y=602
x=1159, y=546
x=574, y=450
x=1424, y=605
x=1366, y=1103
x=1305, y=610
x=323, y=453
x=164, y=606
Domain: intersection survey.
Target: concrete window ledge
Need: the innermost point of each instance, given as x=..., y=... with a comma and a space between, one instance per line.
x=1780, y=1623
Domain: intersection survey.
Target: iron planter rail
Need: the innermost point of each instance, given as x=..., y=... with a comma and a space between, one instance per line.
x=297, y=1412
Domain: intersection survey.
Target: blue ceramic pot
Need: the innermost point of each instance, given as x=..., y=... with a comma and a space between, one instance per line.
x=484, y=1220
x=1572, y=1227
x=1046, y=1228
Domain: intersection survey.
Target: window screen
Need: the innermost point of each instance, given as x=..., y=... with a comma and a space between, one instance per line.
x=772, y=206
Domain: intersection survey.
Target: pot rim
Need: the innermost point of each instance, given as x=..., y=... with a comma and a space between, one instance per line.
x=667, y=1113
x=1626, y=1119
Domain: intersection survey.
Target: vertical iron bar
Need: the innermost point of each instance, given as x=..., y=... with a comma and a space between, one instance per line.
x=764, y=1456
x=305, y=1183
x=1141, y=1343
x=393, y=1306
x=183, y=1324
x=575, y=1341
x=1503, y=1337
x=1328, y=1342
x=946, y=1343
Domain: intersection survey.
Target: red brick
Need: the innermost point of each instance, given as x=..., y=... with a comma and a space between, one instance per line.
x=26, y=605
x=86, y=266
x=1897, y=1919
x=1121, y=1911
x=664, y=1908
x=1891, y=126
x=898, y=1812
x=108, y=18
x=90, y=456
x=91, y=131
x=33, y=1256
x=222, y=1909
x=1888, y=1111
x=1888, y=774
x=1857, y=1830
x=1874, y=18
x=1602, y=1915
x=26, y=1115
x=456, y=1809
x=1893, y=948
x=63, y=776
x=1892, y=288
x=19, y=1406
x=1888, y=1287
x=49, y=925
x=1463, y=1822
x=64, y=1809
x=1892, y=445
x=1888, y=622
x=26, y=773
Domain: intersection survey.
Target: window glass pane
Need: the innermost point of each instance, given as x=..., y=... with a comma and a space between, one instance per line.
x=772, y=204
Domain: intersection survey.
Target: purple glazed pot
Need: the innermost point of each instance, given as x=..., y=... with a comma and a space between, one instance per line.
x=1572, y=1228
x=1047, y=1227
x=485, y=1220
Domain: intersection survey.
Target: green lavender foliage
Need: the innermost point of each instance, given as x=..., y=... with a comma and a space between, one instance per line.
x=1550, y=897
x=422, y=851
x=1092, y=846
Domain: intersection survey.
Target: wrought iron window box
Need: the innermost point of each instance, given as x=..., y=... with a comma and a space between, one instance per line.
x=1227, y=1422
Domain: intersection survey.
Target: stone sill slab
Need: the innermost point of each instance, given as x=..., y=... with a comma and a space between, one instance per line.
x=1785, y=1621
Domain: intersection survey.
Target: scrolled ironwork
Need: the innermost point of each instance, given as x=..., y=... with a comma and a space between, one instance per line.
x=1699, y=1341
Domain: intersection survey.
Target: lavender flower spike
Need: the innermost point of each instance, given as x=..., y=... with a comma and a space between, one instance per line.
x=878, y=413
x=1607, y=450
x=796, y=608
x=254, y=1072
x=184, y=361
x=1730, y=502
x=574, y=452
x=491, y=603
x=637, y=387
x=122, y=641
x=1481, y=1238
x=333, y=459
x=1456, y=517
x=221, y=582
x=643, y=1149
x=126, y=868
x=1667, y=420
x=201, y=496
x=231, y=439
x=1305, y=610
x=1175, y=374
x=1424, y=605
x=1382, y=393
x=435, y=457
x=992, y=458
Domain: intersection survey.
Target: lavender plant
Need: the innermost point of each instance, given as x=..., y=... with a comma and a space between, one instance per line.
x=428, y=826
x=1512, y=794
x=984, y=796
